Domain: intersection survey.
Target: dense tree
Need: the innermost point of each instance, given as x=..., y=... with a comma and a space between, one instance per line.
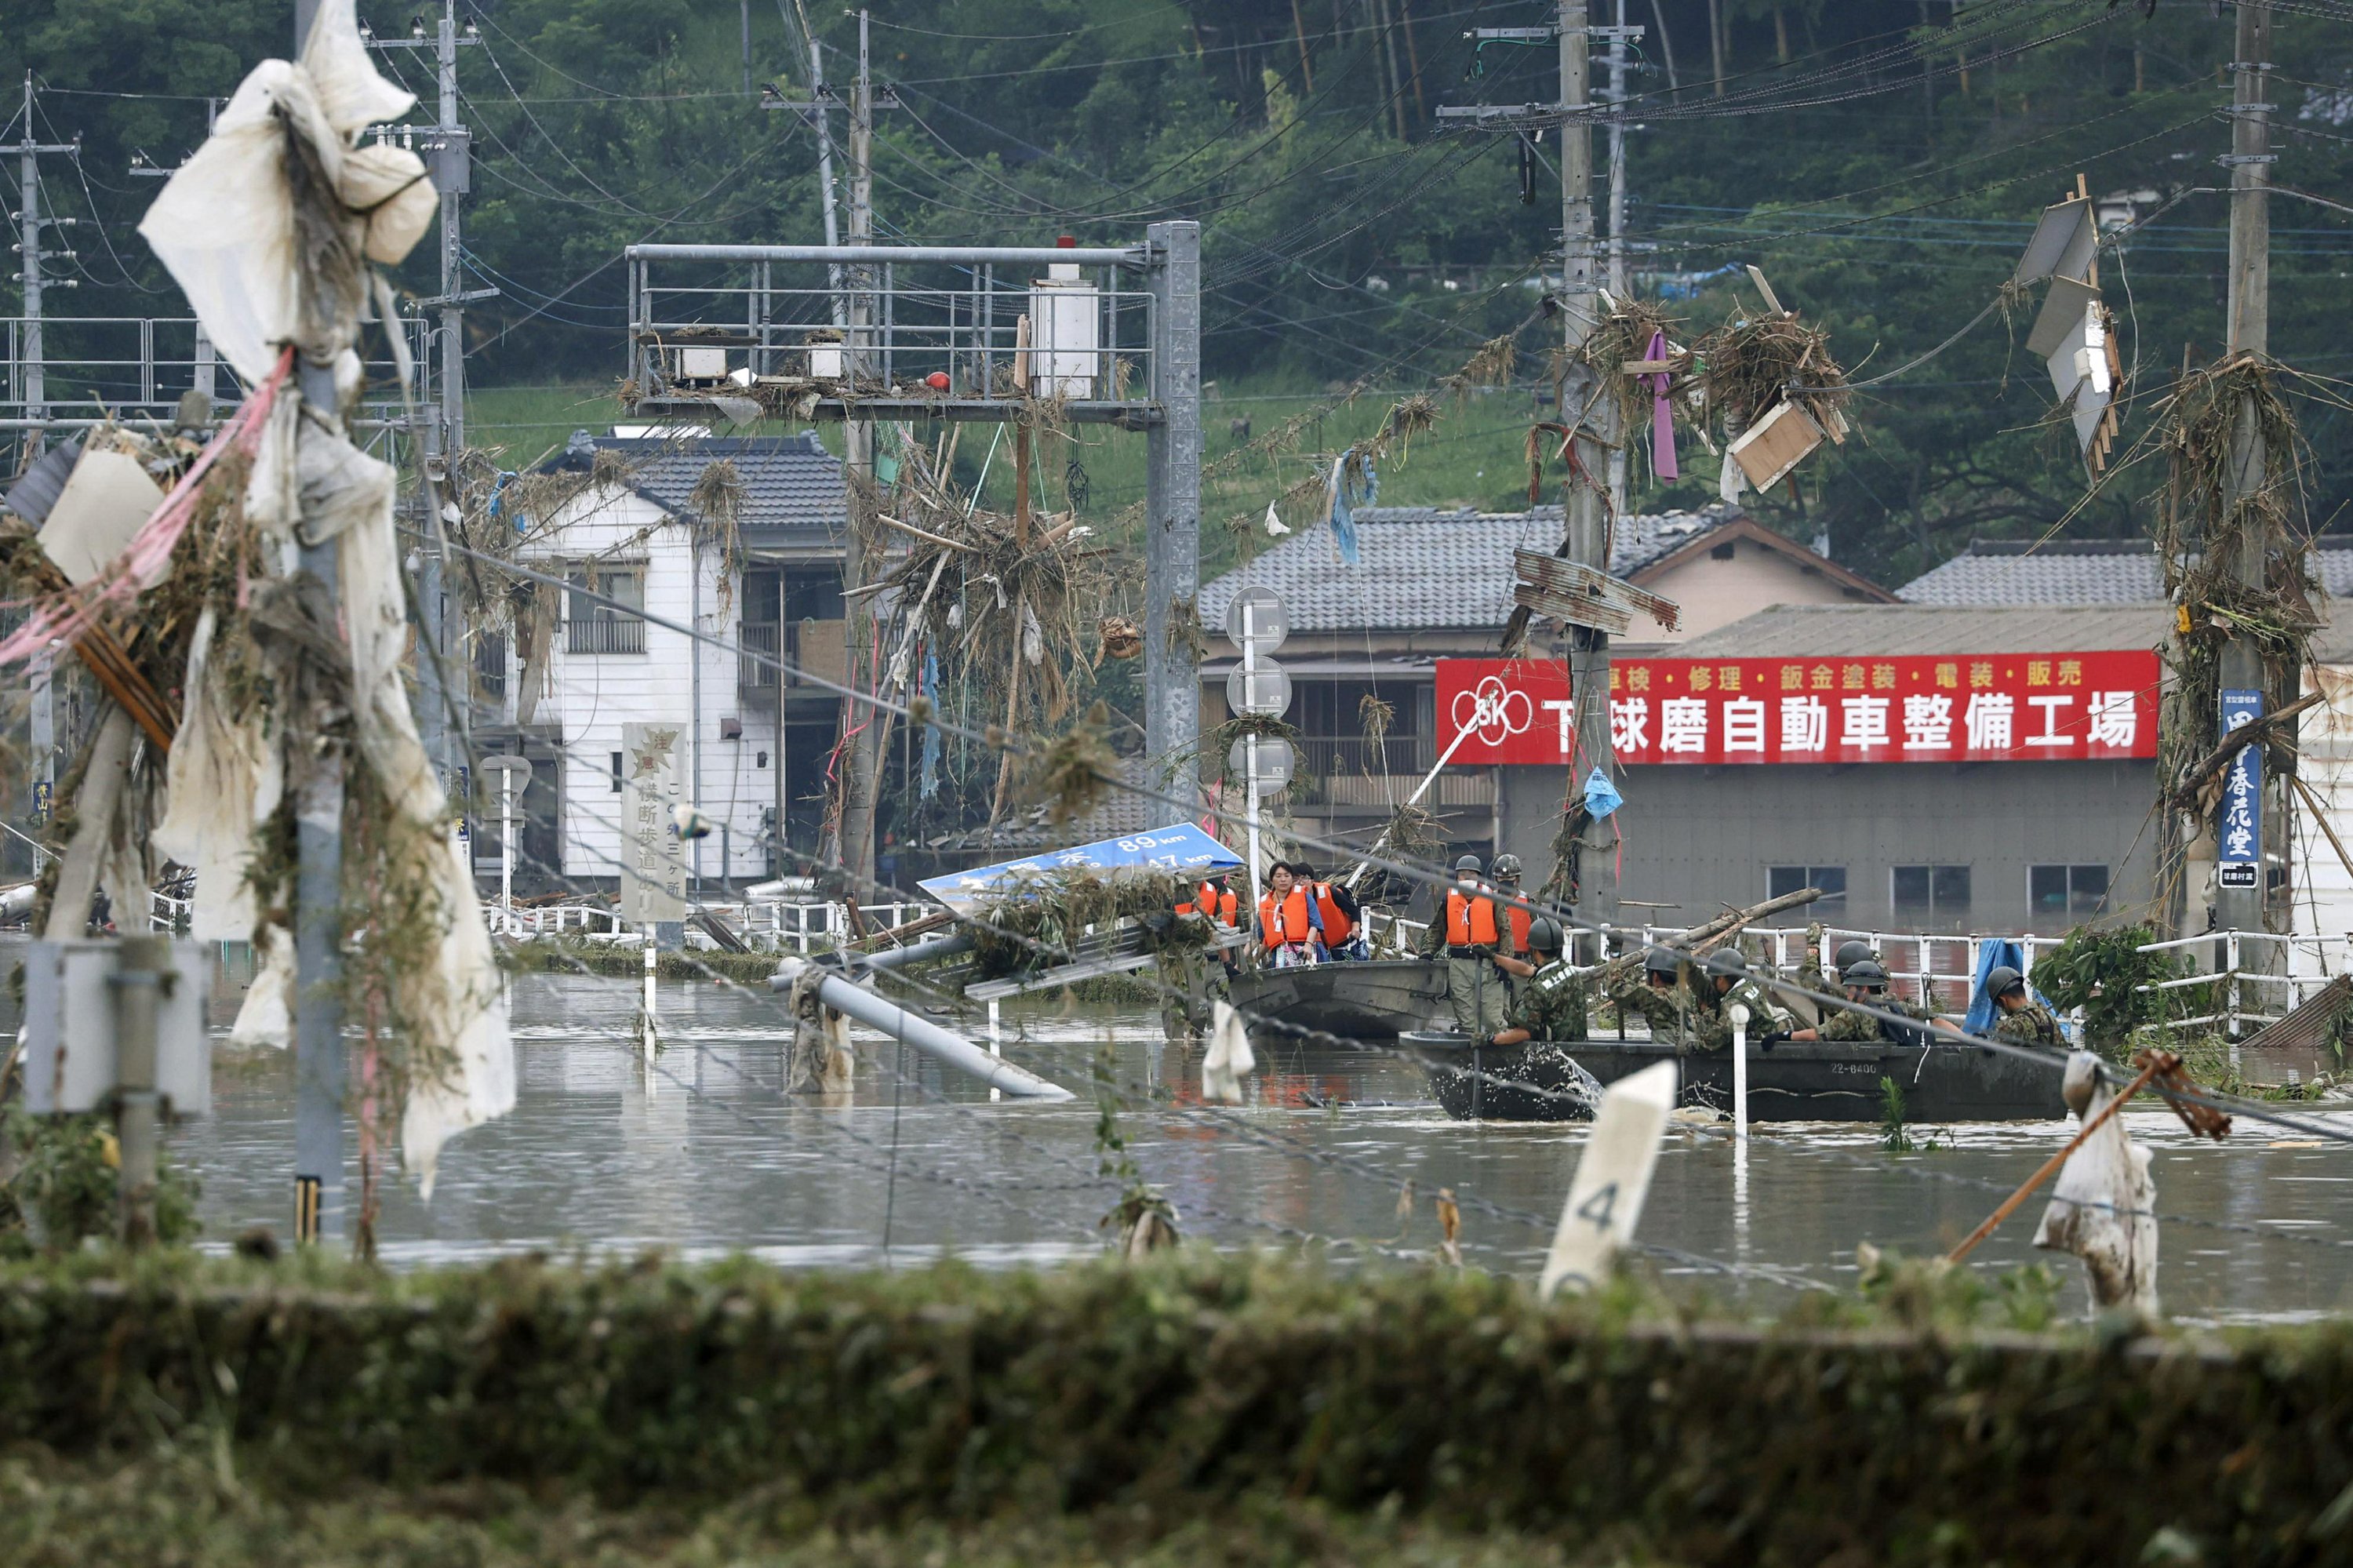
x=1882, y=163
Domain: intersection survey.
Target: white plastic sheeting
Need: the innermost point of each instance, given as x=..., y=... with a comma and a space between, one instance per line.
x=1228, y=1059
x=225, y=778
x=226, y=226
x=2102, y=1208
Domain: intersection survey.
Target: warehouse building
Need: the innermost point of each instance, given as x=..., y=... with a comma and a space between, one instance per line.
x=1940, y=769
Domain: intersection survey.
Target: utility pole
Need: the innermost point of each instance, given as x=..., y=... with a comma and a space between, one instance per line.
x=320, y=1068
x=860, y=779
x=443, y=435
x=1617, y=290
x=1589, y=506
x=29, y=224
x=2242, y=908
x=1588, y=525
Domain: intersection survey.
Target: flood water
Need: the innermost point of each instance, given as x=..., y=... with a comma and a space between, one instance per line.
x=704, y=1155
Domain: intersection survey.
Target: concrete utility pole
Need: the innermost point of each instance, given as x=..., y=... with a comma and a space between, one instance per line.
x=1172, y=511
x=2243, y=908
x=860, y=777
x=1618, y=37
x=29, y=224
x=1589, y=522
x=443, y=435
x=320, y=1069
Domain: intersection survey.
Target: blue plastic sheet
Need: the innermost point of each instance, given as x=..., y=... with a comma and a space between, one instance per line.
x=1992, y=955
x=1601, y=797
x=1347, y=496
x=1180, y=848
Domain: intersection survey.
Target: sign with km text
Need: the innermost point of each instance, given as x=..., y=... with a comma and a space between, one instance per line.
x=1945, y=707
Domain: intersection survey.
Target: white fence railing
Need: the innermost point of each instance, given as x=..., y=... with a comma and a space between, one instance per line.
x=768, y=926
x=2264, y=992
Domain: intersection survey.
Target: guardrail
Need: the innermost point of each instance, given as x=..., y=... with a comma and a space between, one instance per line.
x=769, y=926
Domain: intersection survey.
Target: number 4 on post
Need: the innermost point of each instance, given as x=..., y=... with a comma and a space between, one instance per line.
x=1612, y=1179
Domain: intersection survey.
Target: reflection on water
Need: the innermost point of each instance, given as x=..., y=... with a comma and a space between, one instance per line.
x=706, y=1155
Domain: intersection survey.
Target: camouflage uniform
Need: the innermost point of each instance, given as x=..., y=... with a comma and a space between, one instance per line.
x=2031, y=1026
x=1847, y=1023
x=1551, y=1003
x=1675, y=1015
x=1714, y=1032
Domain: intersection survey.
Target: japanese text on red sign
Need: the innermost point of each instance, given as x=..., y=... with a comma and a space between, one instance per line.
x=2006, y=707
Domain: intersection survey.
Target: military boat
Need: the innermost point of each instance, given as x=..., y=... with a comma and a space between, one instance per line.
x=1795, y=1081
x=1374, y=1000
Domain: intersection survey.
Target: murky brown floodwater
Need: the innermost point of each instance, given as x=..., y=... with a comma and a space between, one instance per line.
x=704, y=1155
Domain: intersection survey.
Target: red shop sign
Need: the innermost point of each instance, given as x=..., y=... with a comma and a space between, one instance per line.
x=1944, y=708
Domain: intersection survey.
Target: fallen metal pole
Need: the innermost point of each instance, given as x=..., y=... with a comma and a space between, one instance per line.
x=912, y=953
x=914, y=1029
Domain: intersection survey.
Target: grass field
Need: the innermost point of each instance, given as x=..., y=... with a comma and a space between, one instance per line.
x=1474, y=457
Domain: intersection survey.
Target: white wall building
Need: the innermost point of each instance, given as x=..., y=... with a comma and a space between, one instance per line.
x=752, y=747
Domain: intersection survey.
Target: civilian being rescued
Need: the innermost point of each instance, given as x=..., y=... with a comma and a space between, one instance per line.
x=1290, y=924
x=1342, y=921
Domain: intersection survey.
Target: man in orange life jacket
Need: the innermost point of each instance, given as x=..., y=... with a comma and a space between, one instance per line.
x=1343, y=921
x=1470, y=931
x=1289, y=924
x=1215, y=900
x=1505, y=875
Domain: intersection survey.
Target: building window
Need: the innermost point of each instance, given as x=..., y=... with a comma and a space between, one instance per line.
x=597, y=627
x=1332, y=717
x=2066, y=892
x=490, y=665
x=1831, y=879
x=617, y=773
x=813, y=593
x=1931, y=895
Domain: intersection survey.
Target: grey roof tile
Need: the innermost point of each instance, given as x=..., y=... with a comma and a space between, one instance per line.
x=1423, y=568
x=1838, y=630
x=794, y=493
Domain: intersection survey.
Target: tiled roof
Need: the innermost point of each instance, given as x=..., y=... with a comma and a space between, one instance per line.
x=1121, y=812
x=1423, y=568
x=2080, y=571
x=794, y=493
x=1838, y=630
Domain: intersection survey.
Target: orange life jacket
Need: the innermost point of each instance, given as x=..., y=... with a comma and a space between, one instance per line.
x=1519, y=919
x=1207, y=900
x=1470, y=920
x=1336, y=926
x=1287, y=924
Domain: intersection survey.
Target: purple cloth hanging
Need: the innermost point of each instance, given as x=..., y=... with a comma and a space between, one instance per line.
x=1663, y=418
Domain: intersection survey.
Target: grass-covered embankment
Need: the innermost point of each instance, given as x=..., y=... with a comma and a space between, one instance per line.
x=1190, y=1396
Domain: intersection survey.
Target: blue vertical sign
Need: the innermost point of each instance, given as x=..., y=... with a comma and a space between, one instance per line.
x=2241, y=846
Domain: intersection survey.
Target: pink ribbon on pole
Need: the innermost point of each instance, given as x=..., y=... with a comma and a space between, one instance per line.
x=66, y=616
x=1663, y=418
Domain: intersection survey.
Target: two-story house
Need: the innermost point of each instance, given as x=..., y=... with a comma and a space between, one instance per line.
x=655, y=536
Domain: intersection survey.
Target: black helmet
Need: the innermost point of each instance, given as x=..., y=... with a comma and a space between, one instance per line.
x=1850, y=953
x=1506, y=868
x=1469, y=863
x=2001, y=980
x=1662, y=961
x=1727, y=963
x=1864, y=972
x=1544, y=934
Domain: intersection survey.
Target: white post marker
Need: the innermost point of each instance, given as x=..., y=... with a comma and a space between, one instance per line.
x=995, y=1044
x=1739, y=1016
x=1250, y=817
x=646, y=1035
x=512, y=771
x=1613, y=1178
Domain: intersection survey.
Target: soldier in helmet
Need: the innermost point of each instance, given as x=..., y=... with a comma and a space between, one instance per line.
x=1865, y=983
x=1664, y=998
x=1551, y=1003
x=1729, y=977
x=2023, y=1021
x=1850, y=952
x=1468, y=931
x=1515, y=960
